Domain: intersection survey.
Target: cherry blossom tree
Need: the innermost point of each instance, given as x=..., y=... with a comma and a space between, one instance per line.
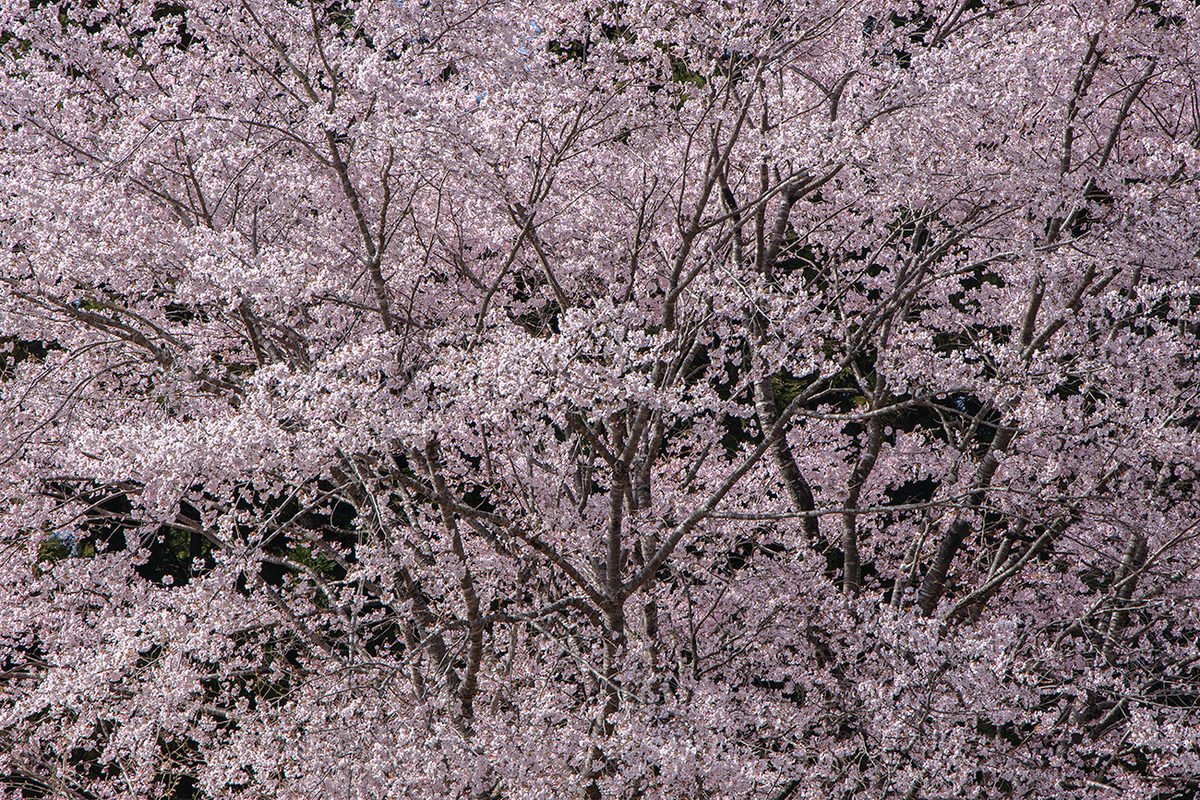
x=483, y=399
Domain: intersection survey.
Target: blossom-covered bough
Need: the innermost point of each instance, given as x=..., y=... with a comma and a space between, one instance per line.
x=607, y=399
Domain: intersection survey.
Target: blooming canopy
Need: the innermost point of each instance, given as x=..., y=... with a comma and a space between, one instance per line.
x=474, y=398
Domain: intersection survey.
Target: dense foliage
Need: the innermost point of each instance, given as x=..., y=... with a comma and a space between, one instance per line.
x=481, y=398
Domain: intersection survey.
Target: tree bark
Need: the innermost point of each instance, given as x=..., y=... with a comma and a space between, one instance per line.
x=933, y=586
